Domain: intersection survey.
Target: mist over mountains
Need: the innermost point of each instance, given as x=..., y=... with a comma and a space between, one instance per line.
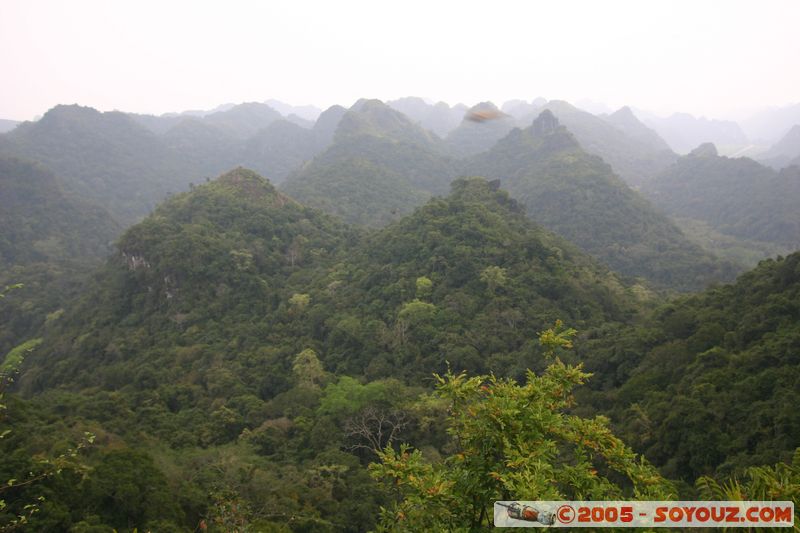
x=376, y=162
x=257, y=295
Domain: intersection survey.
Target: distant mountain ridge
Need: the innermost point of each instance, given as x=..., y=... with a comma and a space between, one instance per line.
x=578, y=196
x=472, y=137
x=683, y=132
x=736, y=196
x=380, y=166
x=635, y=153
x=626, y=120
x=439, y=118
x=305, y=112
x=107, y=158
x=769, y=125
x=128, y=163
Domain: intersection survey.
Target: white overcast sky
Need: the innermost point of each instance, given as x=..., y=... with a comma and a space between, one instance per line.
x=713, y=58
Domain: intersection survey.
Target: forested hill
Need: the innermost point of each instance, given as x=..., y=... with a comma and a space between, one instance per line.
x=127, y=164
x=236, y=327
x=714, y=380
x=579, y=197
x=379, y=167
x=236, y=261
x=105, y=158
x=236, y=338
x=466, y=279
x=735, y=196
x=205, y=264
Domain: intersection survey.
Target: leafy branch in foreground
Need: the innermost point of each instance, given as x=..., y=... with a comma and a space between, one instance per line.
x=769, y=483
x=513, y=441
x=24, y=507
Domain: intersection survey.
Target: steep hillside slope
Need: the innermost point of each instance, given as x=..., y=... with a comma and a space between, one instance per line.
x=205, y=263
x=468, y=279
x=621, y=140
x=578, y=196
x=714, y=384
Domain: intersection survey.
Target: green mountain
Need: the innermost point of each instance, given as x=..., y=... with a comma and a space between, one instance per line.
x=490, y=275
x=237, y=341
x=376, y=119
x=196, y=318
x=712, y=383
x=105, y=158
x=635, y=153
x=235, y=121
x=737, y=197
x=193, y=267
x=129, y=163
x=272, y=147
x=379, y=167
x=48, y=243
x=205, y=346
x=578, y=196
x=229, y=258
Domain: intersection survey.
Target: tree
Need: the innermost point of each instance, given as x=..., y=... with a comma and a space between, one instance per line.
x=494, y=277
x=24, y=506
x=775, y=483
x=416, y=312
x=424, y=287
x=299, y=301
x=374, y=429
x=307, y=369
x=21, y=506
x=512, y=441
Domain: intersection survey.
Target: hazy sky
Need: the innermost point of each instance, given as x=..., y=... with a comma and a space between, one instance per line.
x=717, y=58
